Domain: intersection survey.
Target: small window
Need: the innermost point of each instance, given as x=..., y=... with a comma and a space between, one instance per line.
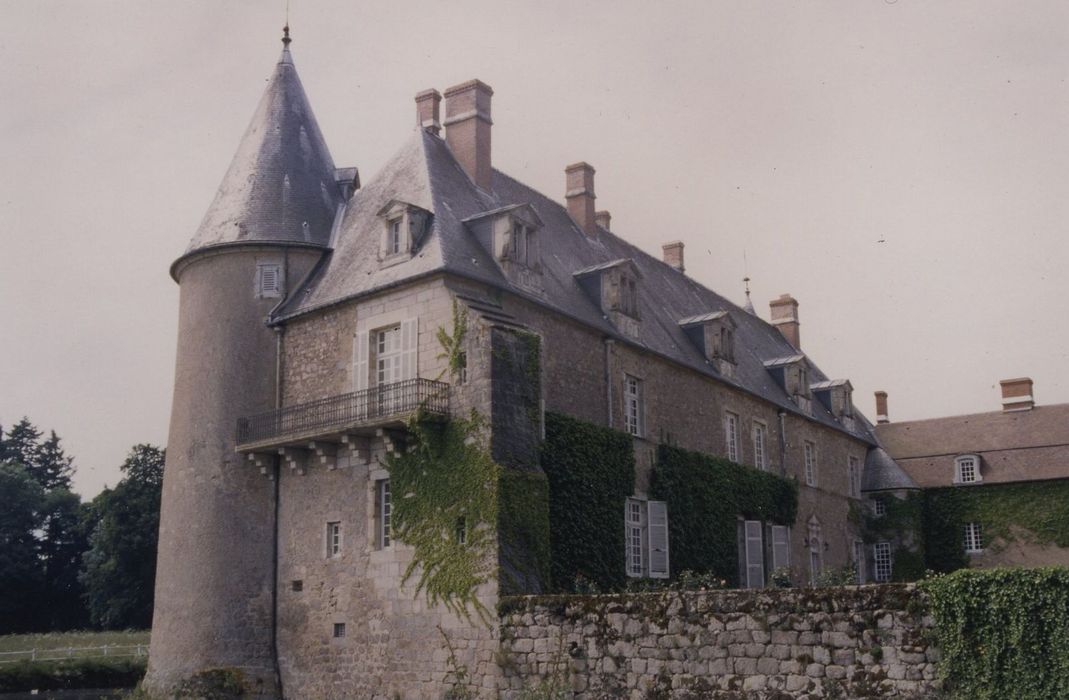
x=853, y=477
x=967, y=469
x=859, y=561
x=339, y=630
x=881, y=555
x=974, y=541
x=333, y=540
x=633, y=405
x=759, y=457
x=461, y=531
x=270, y=281
x=731, y=428
x=634, y=524
x=462, y=368
x=394, y=240
x=385, y=509
x=297, y=585
x=810, y=451
x=879, y=507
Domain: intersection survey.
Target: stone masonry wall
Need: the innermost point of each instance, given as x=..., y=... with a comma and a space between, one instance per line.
x=856, y=642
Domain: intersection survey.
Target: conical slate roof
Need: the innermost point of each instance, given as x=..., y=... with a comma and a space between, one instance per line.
x=280, y=187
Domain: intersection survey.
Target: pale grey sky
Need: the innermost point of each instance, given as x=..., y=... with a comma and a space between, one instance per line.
x=797, y=133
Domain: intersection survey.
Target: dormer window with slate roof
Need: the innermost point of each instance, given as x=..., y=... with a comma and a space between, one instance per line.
x=512, y=236
x=836, y=396
x=403, y=230
x=792, y=375
x=714, y=335
x=614, y=287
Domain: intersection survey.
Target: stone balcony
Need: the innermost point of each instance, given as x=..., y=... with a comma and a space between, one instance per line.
x=338, y=419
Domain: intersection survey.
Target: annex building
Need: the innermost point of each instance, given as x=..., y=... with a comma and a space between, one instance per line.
x=336, y=331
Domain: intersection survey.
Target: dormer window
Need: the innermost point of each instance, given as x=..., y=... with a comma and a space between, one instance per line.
x=404, y=227
x=613, y=286
x=523, y=244
x=714, y=335
x=836, y=395
x=967, y=470
x=628, y=296
x=791, y=373
x=511, y=236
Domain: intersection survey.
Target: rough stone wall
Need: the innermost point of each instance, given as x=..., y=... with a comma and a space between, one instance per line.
x=857, y=642
x=394, y=643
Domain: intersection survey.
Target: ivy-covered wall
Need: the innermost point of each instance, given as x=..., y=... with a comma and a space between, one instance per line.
x=902, y=525
x=591, y=472
x=705, y=496
x=1038, y=511
x=1004, y=633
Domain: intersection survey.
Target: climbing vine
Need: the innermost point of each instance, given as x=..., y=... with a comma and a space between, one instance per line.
x=902, y=524
x=1003, y=633
x=591, y=473
x=452, y=344
x=705, y=496
x=444, y=506
x=1036, y=512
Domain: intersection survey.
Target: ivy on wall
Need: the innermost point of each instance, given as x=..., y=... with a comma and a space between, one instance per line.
x=444, y=505
x=1036, y=511
x=902, y=525
x=705, y=495
x=591, y=473
x=1003, y=633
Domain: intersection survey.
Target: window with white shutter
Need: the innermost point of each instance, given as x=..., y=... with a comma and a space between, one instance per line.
x=360, y=359
x=781, y=546
x=754, y=551
x=657, y=529
x=269, y=281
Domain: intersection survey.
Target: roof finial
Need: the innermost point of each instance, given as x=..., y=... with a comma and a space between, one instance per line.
x=286, y=35
x=746, y=281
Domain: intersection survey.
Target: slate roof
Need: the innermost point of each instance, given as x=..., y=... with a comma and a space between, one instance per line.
x=424, y=173
x=280, y=186
x=1014, y=446
x=882, y=473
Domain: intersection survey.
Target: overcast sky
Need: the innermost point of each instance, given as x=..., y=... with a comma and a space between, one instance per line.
x=899, y=167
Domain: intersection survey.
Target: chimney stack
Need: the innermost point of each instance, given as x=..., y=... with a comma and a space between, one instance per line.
x=1017, y=394
x=785, y=318
x=467, y=129
x=579, y=191
x=881, y=407
x=673, y=254
x=427, y=111
x=603, y=219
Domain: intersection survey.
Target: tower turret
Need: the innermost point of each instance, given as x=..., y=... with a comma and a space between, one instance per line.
x=269, y=224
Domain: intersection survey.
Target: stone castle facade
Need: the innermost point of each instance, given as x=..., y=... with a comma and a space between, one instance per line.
x=311, y=310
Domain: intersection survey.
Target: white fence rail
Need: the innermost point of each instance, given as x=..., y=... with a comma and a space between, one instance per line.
x=64, y=653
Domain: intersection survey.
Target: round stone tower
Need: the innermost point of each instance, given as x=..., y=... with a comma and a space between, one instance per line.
x=269, y=224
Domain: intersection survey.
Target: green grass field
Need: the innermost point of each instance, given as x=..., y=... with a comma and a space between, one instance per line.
x=63, y=640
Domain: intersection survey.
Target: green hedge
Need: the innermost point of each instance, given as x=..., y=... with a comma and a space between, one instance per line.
x=591, y=472
x=1004, y=633
x=77, y=673
x=1041, y=508
x=705, y=496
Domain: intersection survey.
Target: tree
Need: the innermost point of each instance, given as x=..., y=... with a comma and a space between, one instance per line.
x=51, y=466
x=21, y=576
x=22, y=444
x=119, y=570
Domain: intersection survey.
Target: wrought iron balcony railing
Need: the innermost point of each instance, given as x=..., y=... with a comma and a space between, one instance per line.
x=375, y=406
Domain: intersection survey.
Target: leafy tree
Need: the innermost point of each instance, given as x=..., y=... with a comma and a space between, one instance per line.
x=66, y=524
x=21, y=576
x=119, y=573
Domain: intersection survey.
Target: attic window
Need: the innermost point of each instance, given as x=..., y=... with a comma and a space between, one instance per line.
x=522, y=243
x=967, y=470
x=404, y=226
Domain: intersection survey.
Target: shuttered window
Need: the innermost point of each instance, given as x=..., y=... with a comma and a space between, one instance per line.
x=657, y=529
x=754, y=553
x=269, y=280
x=781, y=546
x=634, y=524
x=385, y=355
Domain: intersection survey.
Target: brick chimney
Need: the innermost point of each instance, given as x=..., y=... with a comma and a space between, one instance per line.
x=467, y=129
x=673, y=254
x=1017, y=394
x=603, y=219
x=785, y=318
x=579, y=191
x=881, y=407
x=427, y=111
